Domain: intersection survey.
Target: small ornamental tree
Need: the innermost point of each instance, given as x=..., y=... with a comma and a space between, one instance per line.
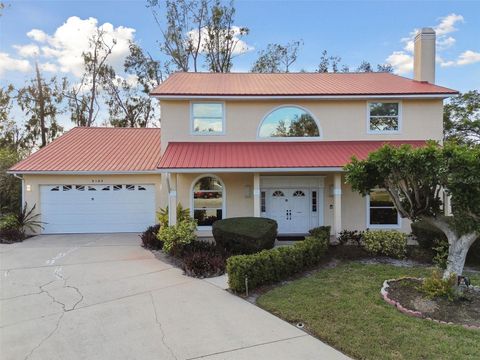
x=416, y=178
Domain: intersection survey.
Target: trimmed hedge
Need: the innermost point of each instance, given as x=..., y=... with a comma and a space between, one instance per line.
x=273, y=265
x=245, y=235
x=391, y=243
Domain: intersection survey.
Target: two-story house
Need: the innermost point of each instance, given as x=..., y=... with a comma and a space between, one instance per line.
x=241, y=144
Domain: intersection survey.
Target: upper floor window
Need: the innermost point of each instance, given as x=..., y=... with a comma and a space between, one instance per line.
x=207, y=118
x=383, y=117
x=289, y=121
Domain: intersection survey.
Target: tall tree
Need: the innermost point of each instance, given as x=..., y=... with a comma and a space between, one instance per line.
x=11, y=134
x=222, y=37
x=41, y=102
x=461, y=118
x=183, y=34
x=330, y=64
x=277, y=58
x=83, y=98
x=414, y=179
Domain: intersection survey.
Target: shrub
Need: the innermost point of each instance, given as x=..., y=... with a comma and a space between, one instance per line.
x=273, y=265
x=203, y=263
x=320, y=231
x=182, y=214
x=175, y=237
x=245, y=235
x=10, y=230
x=435, y=286
x=150, y=239
x=427, y=235
x=385, y=242
x=347, y=236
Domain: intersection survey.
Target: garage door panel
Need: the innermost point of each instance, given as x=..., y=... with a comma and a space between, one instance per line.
x=75, y=209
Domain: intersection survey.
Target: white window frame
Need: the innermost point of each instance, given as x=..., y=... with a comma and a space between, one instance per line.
x=381, y=226
x=206, y=133
x=192, y=202
x=290, y=138
x=400, y=117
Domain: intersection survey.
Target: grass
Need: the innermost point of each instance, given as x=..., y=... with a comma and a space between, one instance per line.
x=342, y=306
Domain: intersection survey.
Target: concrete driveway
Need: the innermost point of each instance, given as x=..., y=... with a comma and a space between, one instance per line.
x=105, y=297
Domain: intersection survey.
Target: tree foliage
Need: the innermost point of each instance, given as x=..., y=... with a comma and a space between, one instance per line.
x=461, y=118
x=40, y=100
x=10, y=187
x=415, y=177
x=277, y=58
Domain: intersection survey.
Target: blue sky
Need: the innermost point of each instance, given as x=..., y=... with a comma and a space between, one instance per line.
x=355, y=31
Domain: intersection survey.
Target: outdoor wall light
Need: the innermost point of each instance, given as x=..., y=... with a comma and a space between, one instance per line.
x=29, y=187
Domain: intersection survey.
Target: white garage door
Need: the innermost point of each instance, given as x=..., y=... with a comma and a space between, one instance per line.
x=97, y=208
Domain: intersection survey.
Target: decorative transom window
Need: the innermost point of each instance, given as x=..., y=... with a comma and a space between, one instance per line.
x=106, y=188
x=381, y=211
x=298, y=193
x=142, y=188
x=91, y=188
x=288, y=121
x=117, y=187
x=207, y=118
x=383, y=117
x=55, y=188
x=80, y=187
x=130, y=187
x=278, y=193
x=207, y=200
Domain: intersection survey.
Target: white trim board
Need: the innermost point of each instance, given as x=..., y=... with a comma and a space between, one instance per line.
x=301, y=97
x=249, y=170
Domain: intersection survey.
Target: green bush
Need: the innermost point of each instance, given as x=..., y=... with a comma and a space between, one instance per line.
x=320, y=231
x=348, y=236
x=245, y=235
x=182, y=214
x=273, y=265
x=385, y=242
x=435, y=286
x=9, y=222
x=175, y=237
x=10, y=230
x=427, y=235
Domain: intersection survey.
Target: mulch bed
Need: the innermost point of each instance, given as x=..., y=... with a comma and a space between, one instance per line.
x=406, y=296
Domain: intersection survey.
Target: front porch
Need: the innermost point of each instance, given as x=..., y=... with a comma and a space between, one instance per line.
x=297, y=201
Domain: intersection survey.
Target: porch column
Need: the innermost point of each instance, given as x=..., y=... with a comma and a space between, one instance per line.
x=256, y=194
x=172, y=198
x=337, y=203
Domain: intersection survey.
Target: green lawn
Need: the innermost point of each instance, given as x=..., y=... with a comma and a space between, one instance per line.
x=343, y=307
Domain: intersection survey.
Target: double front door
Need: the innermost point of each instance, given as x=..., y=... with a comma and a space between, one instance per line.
x=290, y=208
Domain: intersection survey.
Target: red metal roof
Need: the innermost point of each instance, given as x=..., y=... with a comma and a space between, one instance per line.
x=97, y=149
x=294, y=84
x=228, y=155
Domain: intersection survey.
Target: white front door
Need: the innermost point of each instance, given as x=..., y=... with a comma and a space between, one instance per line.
x=290, y=209
x=97, y=208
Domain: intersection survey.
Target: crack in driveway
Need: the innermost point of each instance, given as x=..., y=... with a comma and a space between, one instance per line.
x=160, y=327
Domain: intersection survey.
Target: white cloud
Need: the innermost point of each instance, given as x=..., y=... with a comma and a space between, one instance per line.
x=402, y=61
x=48, y=67
x=37, y=35
x=29, y=50
x=447, y=24
x=241, y=47
x=65, y=46
x=8, y=64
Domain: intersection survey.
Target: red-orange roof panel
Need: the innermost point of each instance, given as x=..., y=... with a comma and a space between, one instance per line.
x=97, y=149
x=294, y=84
x=312, y=154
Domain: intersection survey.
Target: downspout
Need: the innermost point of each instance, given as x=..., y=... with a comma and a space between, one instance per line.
x=23, y=189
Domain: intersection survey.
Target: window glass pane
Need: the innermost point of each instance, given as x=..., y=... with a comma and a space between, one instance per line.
x=380, y=198
x=207, y=110
x=207, y=125
x=207, y=217
x=383, y=109
x=263, y=205
x=383, y=216
x=384, y=123
x=314, y=201
x=208, y=183
x=207, y=200
x=289, y=121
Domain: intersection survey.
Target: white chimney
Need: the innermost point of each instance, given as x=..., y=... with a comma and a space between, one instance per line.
x=424, y=56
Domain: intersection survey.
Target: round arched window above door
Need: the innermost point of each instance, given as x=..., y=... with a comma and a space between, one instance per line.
x=208, y=200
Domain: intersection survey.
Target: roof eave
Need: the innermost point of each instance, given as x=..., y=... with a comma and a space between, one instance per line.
x=313, y=97
x=88, y=172
x=253, y=169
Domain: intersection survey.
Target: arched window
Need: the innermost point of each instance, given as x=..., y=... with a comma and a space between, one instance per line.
x=207, y=200
x=289, y=121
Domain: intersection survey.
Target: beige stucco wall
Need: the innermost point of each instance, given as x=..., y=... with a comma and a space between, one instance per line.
x=35, y=181
x=338, y=119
